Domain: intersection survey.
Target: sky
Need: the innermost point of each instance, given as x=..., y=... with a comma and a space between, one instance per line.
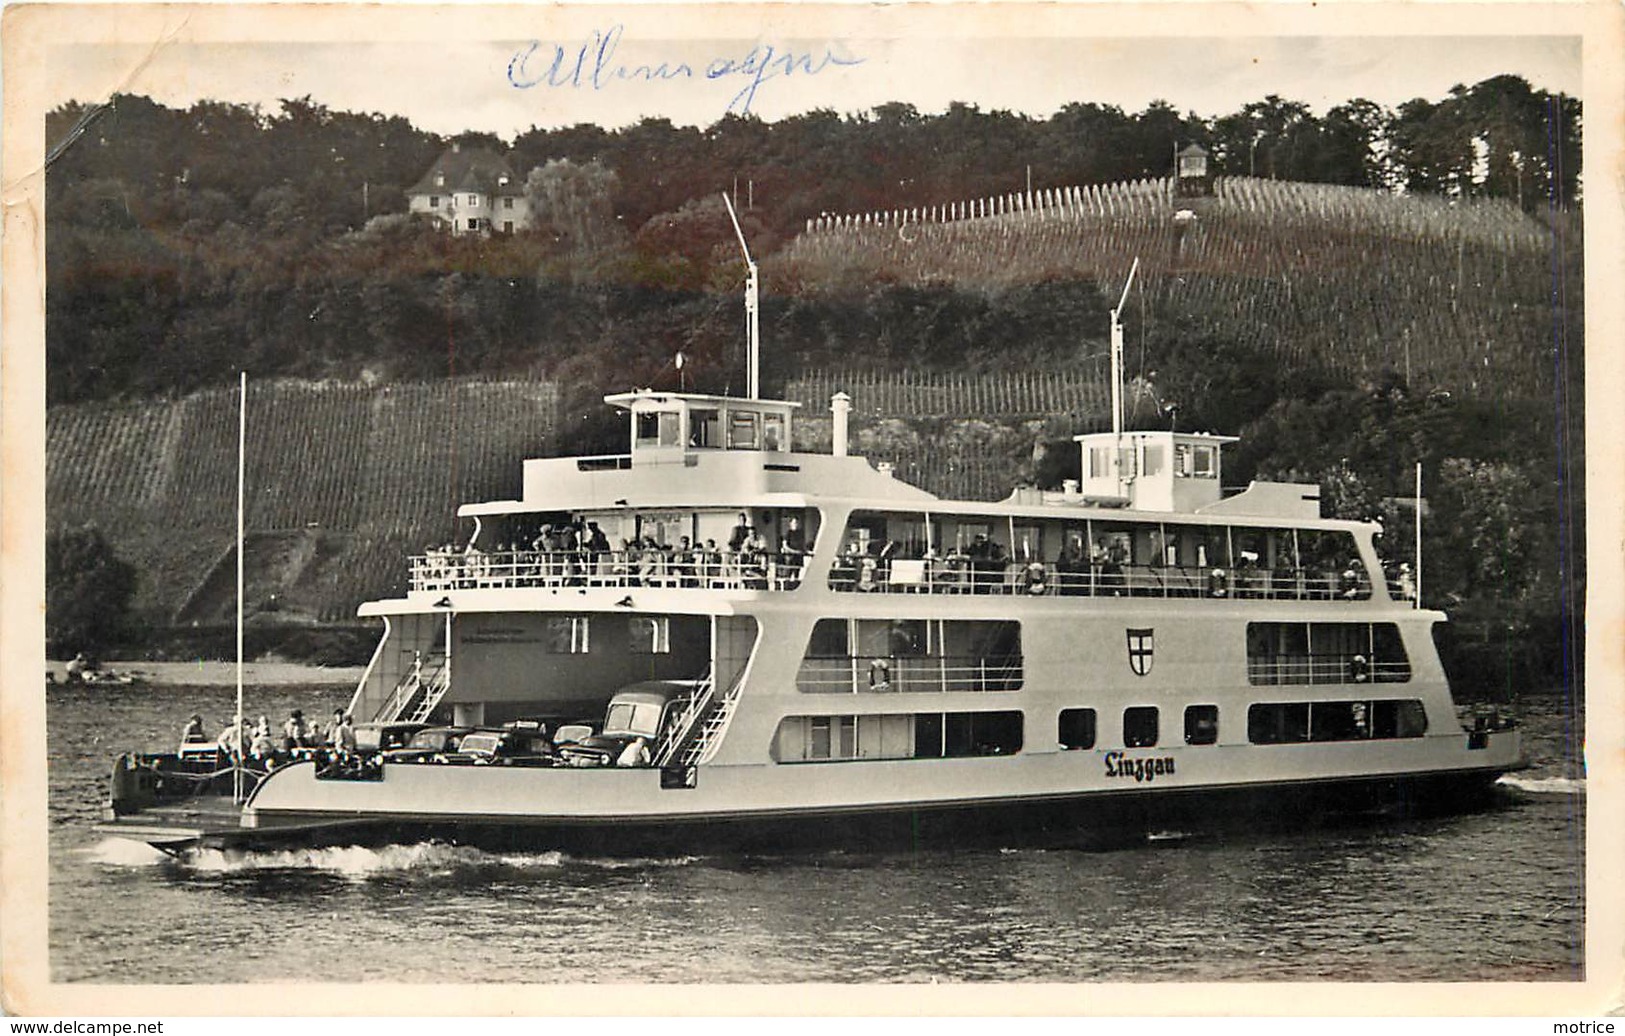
x=613, y=66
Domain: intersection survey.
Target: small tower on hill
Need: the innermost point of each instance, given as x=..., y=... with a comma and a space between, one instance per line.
x=1191, y=178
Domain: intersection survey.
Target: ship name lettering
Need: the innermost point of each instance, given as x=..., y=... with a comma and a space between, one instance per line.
x=1141, y=769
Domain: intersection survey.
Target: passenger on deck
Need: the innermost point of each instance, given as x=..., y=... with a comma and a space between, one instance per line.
x=634, y=754
x=795, y=542
x=193, y=733
x=342, y=737
x=741, y=534
x=232, y=738
x=295, y=734
x=597, y=542
x=262, y=747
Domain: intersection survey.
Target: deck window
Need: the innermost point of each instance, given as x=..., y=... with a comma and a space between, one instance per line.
x=1201, y=724
x=1140, y=726
x=567, y=634
x=931, y=735
x=1077, y=728
x=1325, y=653
x=649, y=634
x=1275, y=723
x=904, y=655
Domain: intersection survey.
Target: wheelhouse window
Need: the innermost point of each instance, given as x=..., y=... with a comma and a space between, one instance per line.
x=1140, y=726
x=744, y=429
x=705, y=428
x=1276, y=723
x=1077, y=728
x=658, y=428
x=567, y=634
x=773, y=432
x=1201, y=724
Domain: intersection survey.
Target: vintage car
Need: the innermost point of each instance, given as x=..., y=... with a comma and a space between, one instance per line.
x=429, y=745
x=514, y=745
x=382, y=737
x=641, y=710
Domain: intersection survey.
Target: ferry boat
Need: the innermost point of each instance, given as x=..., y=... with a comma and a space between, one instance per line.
x=715, y=640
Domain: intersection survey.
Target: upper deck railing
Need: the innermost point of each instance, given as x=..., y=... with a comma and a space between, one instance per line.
x=958, y=574
x=700, y=569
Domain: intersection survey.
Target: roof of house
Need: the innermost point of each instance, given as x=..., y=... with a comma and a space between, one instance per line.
x=475, y=170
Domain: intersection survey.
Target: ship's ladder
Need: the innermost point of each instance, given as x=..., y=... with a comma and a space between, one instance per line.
x=699, y=728
x=417, y=693
x=434, y=688
x=704, y=744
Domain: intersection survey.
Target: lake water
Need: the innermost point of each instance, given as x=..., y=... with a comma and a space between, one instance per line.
x=1495, y=895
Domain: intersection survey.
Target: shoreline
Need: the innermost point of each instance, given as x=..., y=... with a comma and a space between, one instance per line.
x=211, y=673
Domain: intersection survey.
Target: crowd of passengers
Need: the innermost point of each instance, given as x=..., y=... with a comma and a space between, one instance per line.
x=986, y=567
x=579, y=554
x=257, y=742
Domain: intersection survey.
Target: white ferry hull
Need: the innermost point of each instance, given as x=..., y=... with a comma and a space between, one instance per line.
x=1098, y=819
x=1088, y=797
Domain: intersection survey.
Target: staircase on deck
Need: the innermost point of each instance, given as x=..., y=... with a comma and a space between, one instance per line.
x=419, y=691
x=698, y=729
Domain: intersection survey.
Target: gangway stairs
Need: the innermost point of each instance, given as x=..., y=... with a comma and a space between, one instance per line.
x=416, y=696
x=698, y=729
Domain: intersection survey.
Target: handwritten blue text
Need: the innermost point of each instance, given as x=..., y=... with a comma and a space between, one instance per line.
x=593, y=65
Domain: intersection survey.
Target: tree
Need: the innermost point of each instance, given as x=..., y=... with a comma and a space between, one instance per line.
x=88, y=590
x=575, y=202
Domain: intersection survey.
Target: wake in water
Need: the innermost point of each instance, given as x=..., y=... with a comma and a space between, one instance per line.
x=360, y=863
x=1546, y=785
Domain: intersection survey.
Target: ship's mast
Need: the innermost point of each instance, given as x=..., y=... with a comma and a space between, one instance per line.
x=1117, y=378
x=752, y=307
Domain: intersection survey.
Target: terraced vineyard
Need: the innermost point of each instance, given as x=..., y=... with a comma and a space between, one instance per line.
x=377, y=471
x=1459, y=293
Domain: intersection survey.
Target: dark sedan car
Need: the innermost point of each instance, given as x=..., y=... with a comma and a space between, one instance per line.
x=429, y=745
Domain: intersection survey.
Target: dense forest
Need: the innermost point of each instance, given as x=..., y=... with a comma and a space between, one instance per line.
x=186, y=245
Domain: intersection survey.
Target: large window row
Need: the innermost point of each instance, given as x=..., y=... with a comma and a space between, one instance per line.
x=1268, y=723
x=917, y=552
x=851, y=656
x=921, y=735
x=1278, y=723
x=1325, y=653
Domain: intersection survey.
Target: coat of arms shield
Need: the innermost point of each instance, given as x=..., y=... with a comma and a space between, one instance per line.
x=1140, y=651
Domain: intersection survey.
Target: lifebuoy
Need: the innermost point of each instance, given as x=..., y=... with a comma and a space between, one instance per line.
x=1034, y=579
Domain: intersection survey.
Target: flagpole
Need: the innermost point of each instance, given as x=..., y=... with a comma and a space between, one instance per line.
x=242, y=445
x=1418, y=534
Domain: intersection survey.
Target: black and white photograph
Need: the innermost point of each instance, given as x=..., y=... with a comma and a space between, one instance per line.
x=910, y=499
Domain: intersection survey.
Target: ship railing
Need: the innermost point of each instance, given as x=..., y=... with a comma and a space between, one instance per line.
x=618, y=569
x=863, y=674
x=688, y=709
x=955, y=575
x=1325, y=668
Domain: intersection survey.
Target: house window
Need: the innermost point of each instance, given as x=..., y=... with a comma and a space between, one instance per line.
x=1140, y=726
x=507, y=203
x=473, y=201
x=473, y=224
x=1077, y=728
x=567, y=634
x=1201, y=724
x=649, y=634
x=434, y=201
x=507, y=226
